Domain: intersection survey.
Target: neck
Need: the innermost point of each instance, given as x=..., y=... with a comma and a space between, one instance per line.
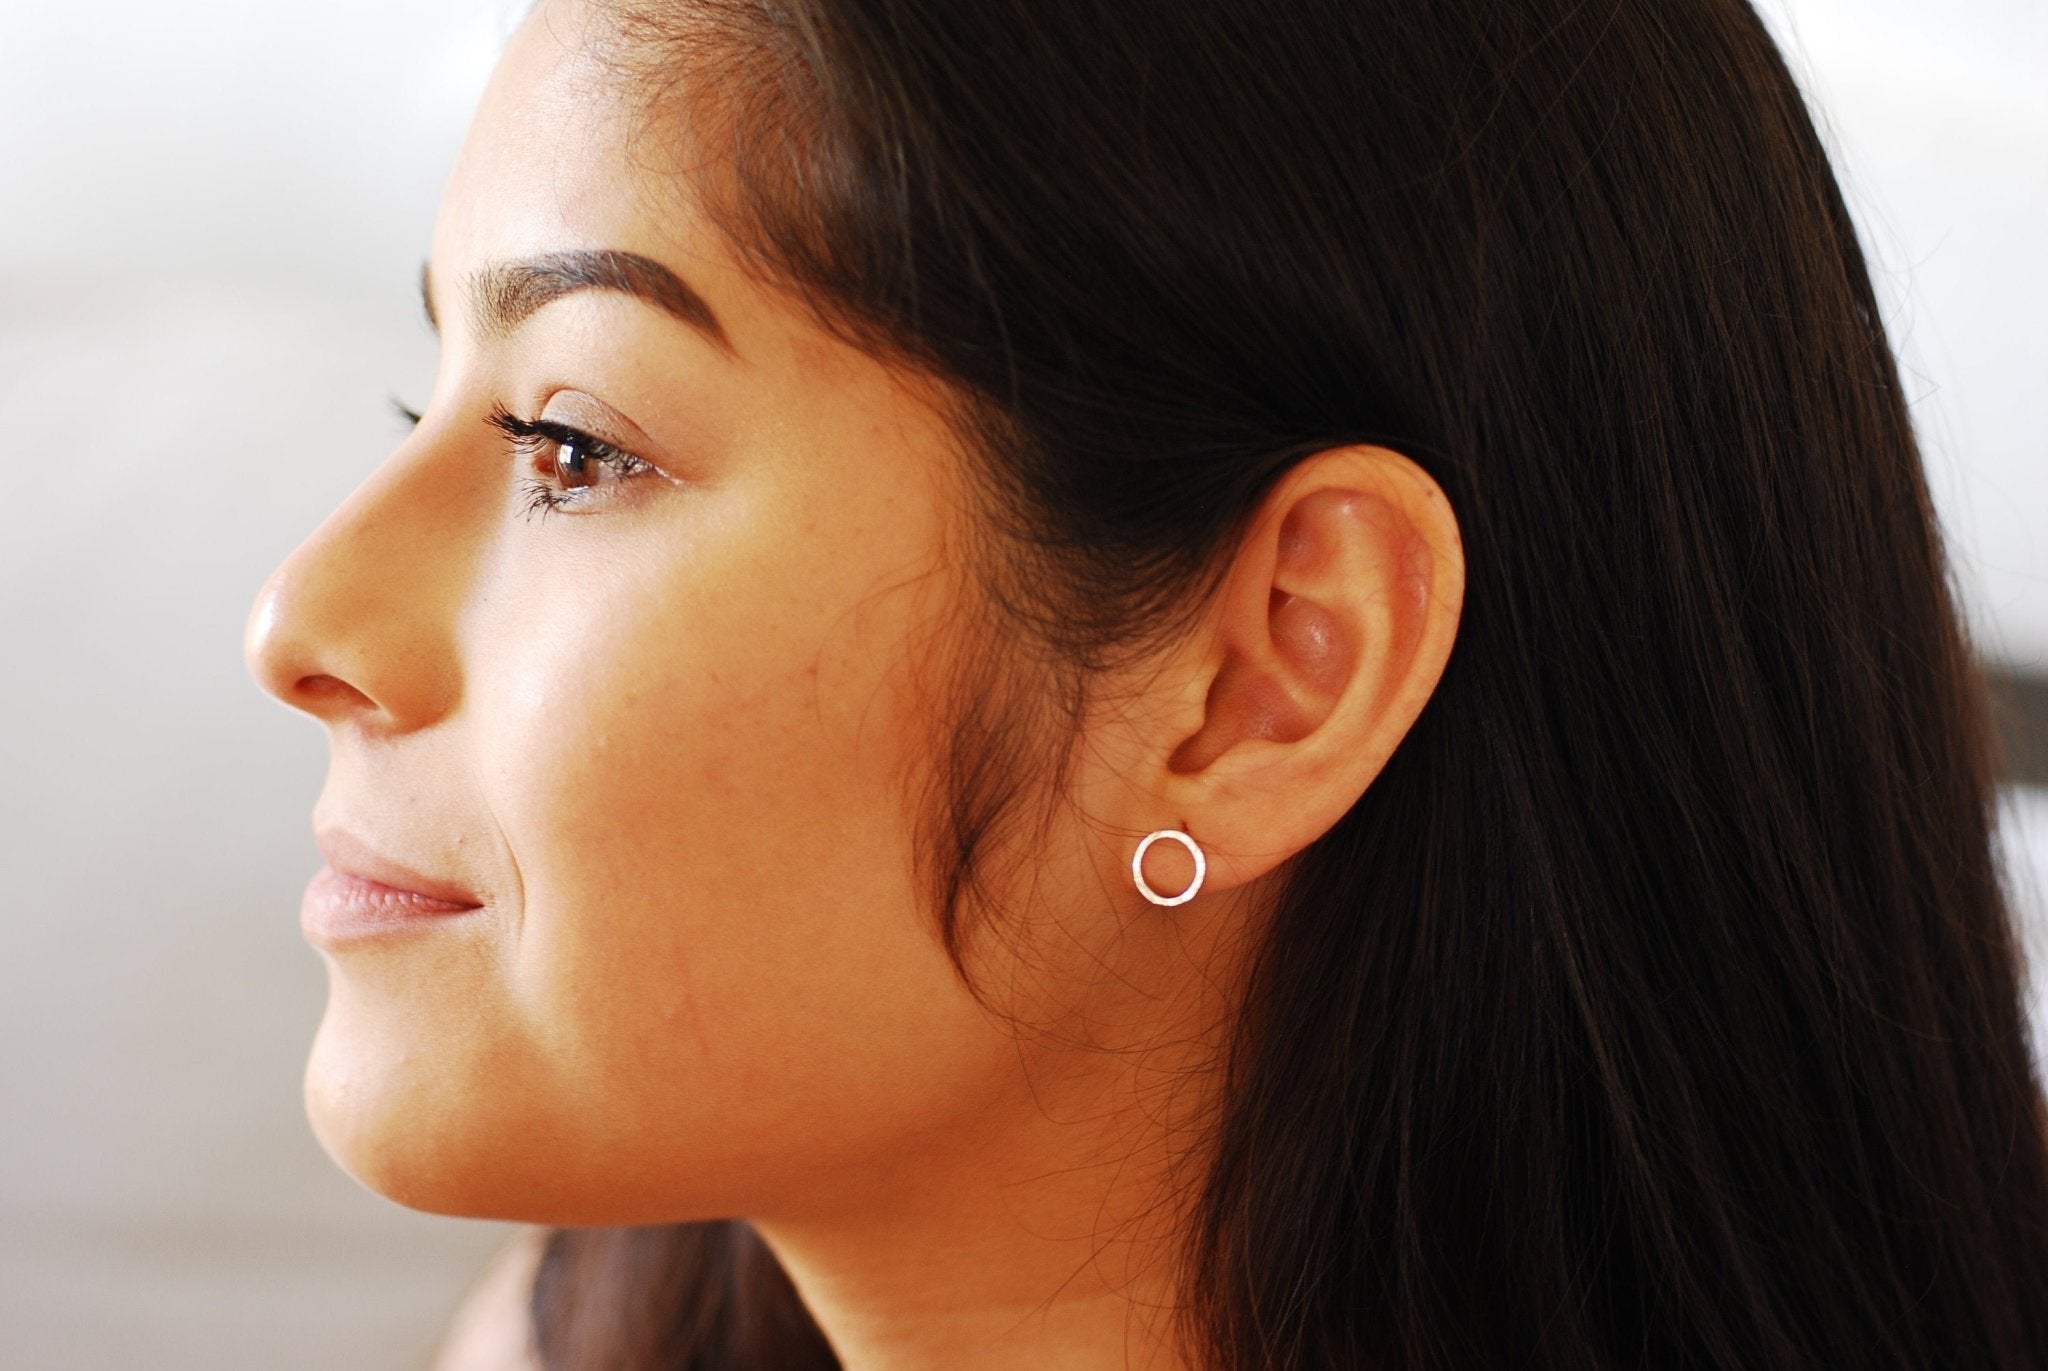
x=1049, y=1238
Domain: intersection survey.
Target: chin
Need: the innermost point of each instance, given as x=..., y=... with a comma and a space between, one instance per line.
x=420, y=1115
x=474, y=1135
x=379, y=1124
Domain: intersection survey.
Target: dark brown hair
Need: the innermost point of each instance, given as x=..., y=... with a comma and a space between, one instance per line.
x=1658, y=1005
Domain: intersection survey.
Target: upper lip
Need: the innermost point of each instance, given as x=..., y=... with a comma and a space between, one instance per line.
x=352, y=856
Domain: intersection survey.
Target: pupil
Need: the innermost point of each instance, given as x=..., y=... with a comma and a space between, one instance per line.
x=569, y=458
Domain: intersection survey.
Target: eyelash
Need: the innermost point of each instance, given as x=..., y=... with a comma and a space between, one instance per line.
x=536, y=438
x=533, y=438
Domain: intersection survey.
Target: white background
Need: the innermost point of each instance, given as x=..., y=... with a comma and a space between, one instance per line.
x=211, y=220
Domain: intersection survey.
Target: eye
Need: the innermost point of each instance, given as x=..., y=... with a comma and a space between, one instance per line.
x=571, y=468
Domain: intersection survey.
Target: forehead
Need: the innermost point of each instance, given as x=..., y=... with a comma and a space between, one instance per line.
x=565, y=154
x=555, y=159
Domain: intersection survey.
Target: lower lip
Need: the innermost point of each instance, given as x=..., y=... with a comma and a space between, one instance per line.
x=340, y=908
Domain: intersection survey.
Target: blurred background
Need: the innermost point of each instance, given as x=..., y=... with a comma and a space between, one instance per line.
x=212, y=217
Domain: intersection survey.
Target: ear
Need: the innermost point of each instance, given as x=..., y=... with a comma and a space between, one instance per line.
x=1328, y=633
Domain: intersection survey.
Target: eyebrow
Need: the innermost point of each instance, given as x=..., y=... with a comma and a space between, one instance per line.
x=504, y=295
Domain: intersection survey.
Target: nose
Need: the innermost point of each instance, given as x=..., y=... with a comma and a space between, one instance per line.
x=358, y=623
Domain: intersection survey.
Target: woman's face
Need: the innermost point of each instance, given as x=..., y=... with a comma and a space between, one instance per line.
x=662, y=734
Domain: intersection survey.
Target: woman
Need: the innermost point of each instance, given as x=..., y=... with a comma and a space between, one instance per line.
x=1212, y=685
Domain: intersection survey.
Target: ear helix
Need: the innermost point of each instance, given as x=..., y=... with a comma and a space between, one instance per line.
x=1138, y=867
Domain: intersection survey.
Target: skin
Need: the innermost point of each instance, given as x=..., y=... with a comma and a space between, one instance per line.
x=672, y=740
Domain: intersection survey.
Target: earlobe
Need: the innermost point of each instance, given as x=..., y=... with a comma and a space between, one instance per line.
x=1329, y=633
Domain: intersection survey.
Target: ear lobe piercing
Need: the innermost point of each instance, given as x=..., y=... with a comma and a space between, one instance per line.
x=1138, y=867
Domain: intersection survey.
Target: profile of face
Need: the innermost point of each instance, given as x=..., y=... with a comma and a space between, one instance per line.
x=628, y=647
x=648, y=696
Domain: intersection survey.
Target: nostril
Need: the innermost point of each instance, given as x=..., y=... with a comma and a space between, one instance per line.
x=326, y=692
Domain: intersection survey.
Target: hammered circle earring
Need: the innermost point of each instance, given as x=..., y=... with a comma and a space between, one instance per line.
x=1138, y=867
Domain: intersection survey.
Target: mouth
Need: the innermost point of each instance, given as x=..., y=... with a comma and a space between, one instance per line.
x=360, y=894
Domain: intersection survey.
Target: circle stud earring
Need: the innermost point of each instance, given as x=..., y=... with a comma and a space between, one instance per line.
x=1138, y=867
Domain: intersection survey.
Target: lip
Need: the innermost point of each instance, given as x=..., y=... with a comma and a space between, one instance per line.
x=360, y=893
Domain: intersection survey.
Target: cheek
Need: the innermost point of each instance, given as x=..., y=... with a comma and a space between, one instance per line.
x=720, y=984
